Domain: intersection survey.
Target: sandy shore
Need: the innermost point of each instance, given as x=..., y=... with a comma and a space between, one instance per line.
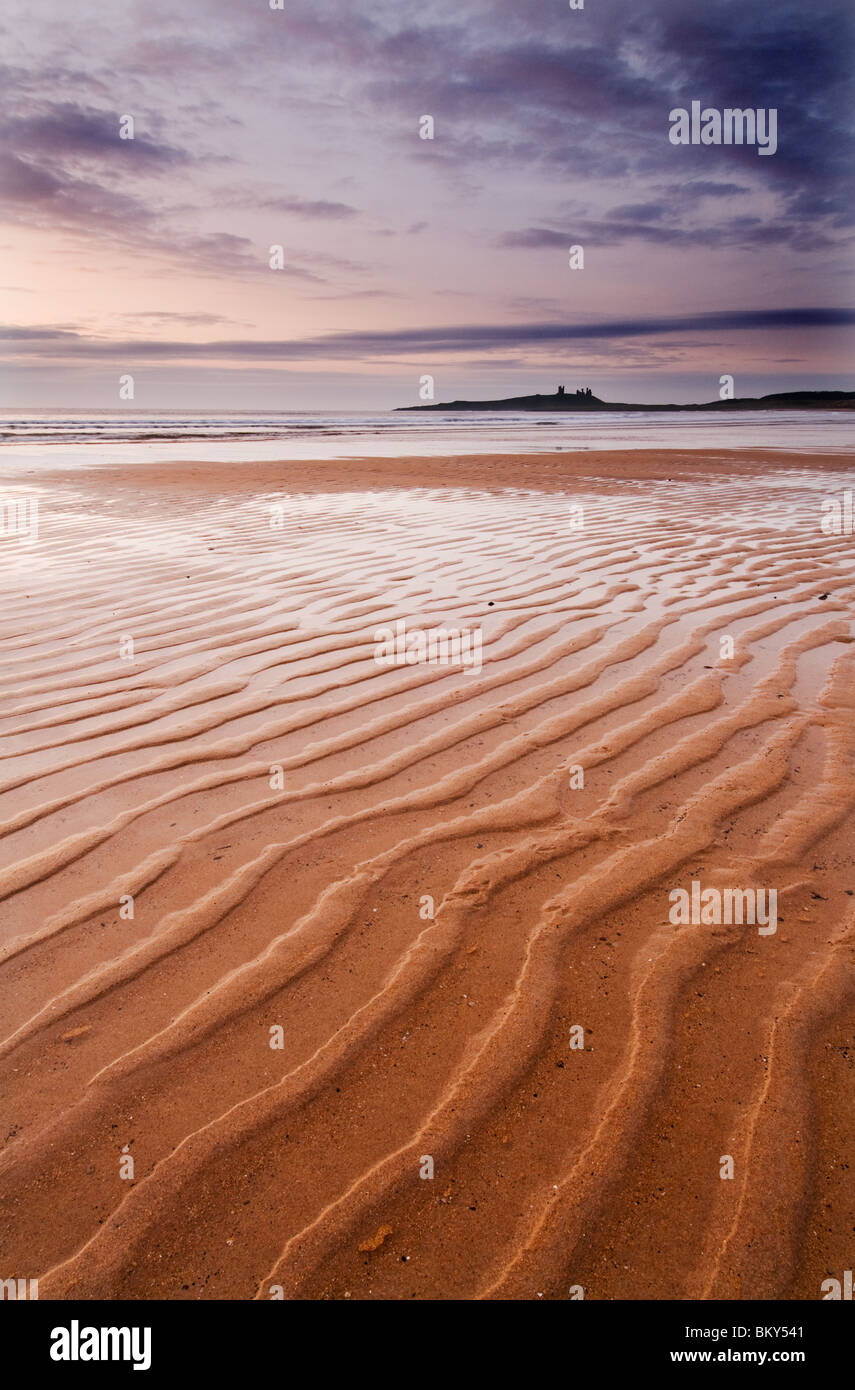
x=225, y=825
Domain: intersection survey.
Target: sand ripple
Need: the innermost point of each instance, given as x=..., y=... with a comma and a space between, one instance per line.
x=297, y=899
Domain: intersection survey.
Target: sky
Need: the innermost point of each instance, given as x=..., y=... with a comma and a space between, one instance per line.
x=404, y=257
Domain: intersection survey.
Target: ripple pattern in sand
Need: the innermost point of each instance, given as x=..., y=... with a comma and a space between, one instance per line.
x=224, y=825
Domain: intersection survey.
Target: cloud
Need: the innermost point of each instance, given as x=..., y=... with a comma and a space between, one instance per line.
x=707, y=188
x=172, y=316
x=650, y=212
x=67, y=131
x=625, y=224
x=532, y=238
x=314, y=112
x=50, y=197
x=52, y=341
x=307, y=207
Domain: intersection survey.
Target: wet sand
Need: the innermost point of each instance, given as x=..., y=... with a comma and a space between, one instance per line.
x=138, y=780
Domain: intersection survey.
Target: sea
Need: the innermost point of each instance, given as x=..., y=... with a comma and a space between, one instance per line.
x=63, y=438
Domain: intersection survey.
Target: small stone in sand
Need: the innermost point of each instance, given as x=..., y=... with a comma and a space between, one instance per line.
x=77, y=1033
x=374, y=1242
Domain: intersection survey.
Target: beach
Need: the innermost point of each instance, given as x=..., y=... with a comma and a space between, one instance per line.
x=329, y=977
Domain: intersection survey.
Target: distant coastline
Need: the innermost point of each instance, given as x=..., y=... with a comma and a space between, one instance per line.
x=583, y=402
